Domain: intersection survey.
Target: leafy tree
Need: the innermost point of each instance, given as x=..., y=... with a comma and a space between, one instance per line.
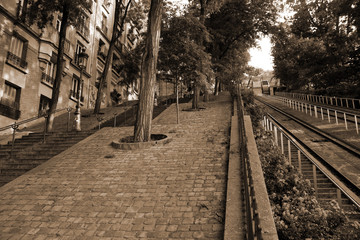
x=41, y=13
x=326, y=37
x=120, y=14
x=142, y=130
x=179, y=52
x=235, y=27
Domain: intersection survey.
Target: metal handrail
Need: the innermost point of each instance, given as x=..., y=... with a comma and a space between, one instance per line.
x=276, y=126
x=257, y=228
x=293, y=104
x=355, y=103
x=28, y=120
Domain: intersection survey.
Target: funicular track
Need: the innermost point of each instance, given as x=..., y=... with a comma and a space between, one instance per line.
x=329, y=182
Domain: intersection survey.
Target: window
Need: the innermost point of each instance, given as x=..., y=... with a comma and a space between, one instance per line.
x=116, y=64
x=104, y=28
x=83, y=25
x=48, y=70
x=106, y=4
x=78, y=50
x=76, y=90
x=10, y=101
x=102, y=50
x=44, y=104
x=22, y=9
x=17, y=52
x=58, y=24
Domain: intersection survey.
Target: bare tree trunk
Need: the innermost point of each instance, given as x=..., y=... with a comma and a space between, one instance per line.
x=59, y=69
x=142, y=130
x=115, y=35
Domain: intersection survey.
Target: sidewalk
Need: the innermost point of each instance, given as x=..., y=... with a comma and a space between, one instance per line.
x=93, y=191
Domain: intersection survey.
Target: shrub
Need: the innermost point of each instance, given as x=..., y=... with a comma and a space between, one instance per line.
x=297, y=213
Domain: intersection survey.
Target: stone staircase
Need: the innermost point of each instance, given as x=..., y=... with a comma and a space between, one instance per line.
x=30, y=151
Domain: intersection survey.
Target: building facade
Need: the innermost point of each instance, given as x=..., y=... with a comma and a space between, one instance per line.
x=28, y=57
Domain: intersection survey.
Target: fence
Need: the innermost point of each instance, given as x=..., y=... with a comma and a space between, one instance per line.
x=314, y=110
x=259, y=219
x=289, y=144
x=334, y=101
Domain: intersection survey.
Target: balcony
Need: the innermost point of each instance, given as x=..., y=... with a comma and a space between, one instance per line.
x=104, y=28
x=16, y=61
x=47, y=79
x=74, y=95
x=84, y=31
x=9, y=109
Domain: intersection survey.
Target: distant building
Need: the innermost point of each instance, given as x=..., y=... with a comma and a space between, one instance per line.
x=28, y=61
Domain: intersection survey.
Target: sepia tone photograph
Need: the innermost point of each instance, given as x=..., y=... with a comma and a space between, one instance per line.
x=180, y=119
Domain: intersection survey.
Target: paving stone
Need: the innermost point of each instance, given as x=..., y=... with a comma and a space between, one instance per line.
x=93, y=191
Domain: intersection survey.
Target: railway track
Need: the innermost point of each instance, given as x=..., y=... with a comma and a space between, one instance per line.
x=328, y=162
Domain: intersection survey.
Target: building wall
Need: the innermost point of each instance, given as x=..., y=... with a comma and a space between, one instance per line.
x=35, y=87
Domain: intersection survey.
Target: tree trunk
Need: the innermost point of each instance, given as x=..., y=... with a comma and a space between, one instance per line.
x=177, y=102
x=217, y=86
x=196, y=97
x=59, y=69
x=142, y=130
x=115, y=35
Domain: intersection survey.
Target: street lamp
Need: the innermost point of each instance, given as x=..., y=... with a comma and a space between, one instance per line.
x=82, y=62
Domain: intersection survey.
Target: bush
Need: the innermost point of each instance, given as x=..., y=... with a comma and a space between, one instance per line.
x=297, y=213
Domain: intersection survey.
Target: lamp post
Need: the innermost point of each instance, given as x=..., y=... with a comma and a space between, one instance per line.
x=82, y=62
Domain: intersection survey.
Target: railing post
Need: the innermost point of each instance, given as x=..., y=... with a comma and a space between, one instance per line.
x=68, y=109
x=115, y=114
x=289, y=150
x=356, y=124
x=315, y=180
x=346, y=125
x=315, y=111
x=328, y=113
x=282, y=142
x=322, y=113
x=310, y=109
x=299, y=160
x=336, y=118
x=338, y=196
x=14, y=126
x=276, y=136
x=99, y=118
x=46, y=117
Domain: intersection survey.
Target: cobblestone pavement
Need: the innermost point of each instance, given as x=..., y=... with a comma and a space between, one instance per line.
x=93, y=191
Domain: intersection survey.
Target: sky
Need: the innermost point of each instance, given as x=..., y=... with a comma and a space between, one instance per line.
x=261, y=56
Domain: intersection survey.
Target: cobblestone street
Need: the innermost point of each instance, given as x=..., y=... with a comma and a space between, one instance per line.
x=93, y=191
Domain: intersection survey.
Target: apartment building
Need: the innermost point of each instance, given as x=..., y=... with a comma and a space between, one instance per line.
x=28, y=61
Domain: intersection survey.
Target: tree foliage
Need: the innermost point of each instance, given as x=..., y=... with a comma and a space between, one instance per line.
x=234, y=27
x=320, y=48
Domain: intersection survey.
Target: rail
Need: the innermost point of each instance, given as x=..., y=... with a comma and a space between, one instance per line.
x=303, y=153
x=334, y=101
x=16, y=125
x=259, y=219
x=314, y=110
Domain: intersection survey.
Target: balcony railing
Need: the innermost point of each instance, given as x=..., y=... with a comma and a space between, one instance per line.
x=75, y=95
x=84, y=31
x=104, y=28
x=9, y=108
x=15, y=60
x=47, y=79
